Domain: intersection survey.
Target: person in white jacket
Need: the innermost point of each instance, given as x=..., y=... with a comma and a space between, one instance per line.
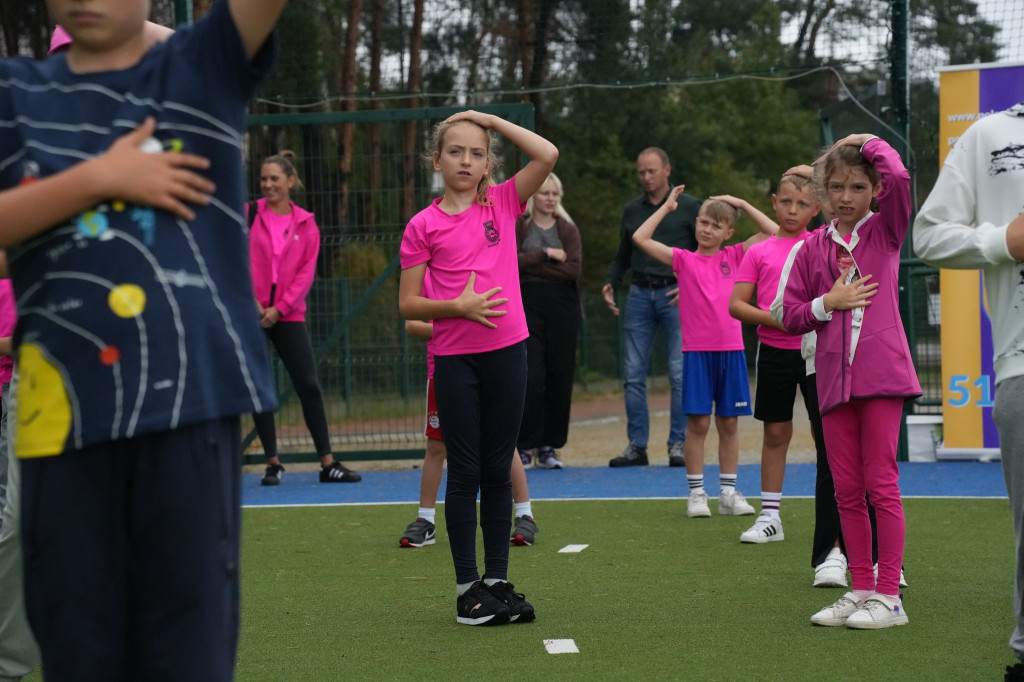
x=974, y=218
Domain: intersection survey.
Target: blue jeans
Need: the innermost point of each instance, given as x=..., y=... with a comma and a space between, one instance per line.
x=647, y=309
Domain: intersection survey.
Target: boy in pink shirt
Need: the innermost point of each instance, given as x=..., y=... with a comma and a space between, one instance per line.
x=714, y=364
x=780, y=366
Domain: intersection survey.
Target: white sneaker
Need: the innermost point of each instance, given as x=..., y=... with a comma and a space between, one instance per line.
x=697, y=505
x=875, y=614
x=765, y=529
x=832, y=571
x=838, y=613
x=903, y=581
x=732, y=503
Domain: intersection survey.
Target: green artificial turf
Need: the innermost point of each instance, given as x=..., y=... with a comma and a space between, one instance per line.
x=328, y=595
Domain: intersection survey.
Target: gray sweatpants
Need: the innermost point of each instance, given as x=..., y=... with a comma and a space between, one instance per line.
x=19, y=654
x=1008, y=413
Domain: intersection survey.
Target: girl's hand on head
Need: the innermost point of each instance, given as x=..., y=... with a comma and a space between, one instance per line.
x=478, y=307
x=856, y=140
x=165, y=180
x=856, y=294
x=481, y=119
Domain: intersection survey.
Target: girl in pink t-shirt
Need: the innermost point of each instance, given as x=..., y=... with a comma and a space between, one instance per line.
x=467, y=237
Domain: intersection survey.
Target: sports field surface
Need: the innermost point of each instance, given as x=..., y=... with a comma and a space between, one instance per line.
x=328, y=595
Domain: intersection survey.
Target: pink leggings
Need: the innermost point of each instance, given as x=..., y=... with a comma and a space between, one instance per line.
x=861, y=438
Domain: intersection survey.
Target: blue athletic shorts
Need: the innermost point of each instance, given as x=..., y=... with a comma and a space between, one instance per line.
x=719, y=377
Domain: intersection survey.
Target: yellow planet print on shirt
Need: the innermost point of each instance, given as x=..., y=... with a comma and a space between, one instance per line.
x=43, y=410
x=127, y=300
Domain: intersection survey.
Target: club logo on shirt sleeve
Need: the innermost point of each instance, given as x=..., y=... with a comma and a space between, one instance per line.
x=491, y=232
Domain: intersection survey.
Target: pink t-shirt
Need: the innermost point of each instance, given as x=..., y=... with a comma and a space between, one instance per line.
x=481, y=239
x=763, y=266
x=705, y=286
x=278, y=226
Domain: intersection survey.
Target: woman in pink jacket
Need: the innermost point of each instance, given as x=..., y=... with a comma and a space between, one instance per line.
x=843, y=282
x=284, y=243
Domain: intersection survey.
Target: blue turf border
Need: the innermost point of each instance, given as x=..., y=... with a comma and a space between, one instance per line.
x=917, y=479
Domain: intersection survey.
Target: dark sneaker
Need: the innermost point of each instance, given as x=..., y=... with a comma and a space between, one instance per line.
x=338, y=473
x=273, y=475
x=526, y=457
x=675, y=455
x=417, y=534
x=480, y=606
x=524, y=531
x=632, y=456
x=519, y=610
x=1014, y=673
x=547, y=458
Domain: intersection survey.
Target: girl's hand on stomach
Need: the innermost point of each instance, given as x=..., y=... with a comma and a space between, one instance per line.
x=479, y=307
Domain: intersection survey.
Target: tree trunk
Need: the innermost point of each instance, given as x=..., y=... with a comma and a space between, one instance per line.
x=376, y=21
x=410, y=157
x=348, y=88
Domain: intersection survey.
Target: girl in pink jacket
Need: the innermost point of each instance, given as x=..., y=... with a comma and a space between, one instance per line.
x=284, y=243
x=843, y=281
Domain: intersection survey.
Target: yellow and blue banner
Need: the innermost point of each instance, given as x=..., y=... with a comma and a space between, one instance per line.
x=966, y=94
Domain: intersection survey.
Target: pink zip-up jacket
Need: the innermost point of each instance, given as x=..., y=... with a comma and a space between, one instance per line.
x=881, y=366
x=296, y=267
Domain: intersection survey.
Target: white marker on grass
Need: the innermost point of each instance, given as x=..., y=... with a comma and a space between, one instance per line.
x=572, y=549
x=561, y=646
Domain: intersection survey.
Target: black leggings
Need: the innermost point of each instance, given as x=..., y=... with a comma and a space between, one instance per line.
x=291, y=339
x=480, y=403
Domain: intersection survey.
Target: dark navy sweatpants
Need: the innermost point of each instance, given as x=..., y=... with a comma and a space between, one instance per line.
x=131, y=556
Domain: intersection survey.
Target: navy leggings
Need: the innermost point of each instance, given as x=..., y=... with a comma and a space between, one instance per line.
x=480, y=402
x=291, y=339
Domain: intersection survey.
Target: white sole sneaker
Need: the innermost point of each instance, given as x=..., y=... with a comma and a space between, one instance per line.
x=903, y=579
x=734, y=504
x=697, y=506
x=832, y=571
x=874, y=614
x=837, y=614
x=765, y=529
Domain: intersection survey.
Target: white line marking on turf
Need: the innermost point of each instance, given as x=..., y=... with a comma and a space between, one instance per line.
x=561, y=646
x=572, y=549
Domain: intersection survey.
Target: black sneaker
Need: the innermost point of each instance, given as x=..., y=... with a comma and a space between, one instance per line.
x=519, y=610
x=338, y=473
x=417, y=534
x=480, y=606
x=676, y=458
x=273, y=475
x=526, y=457
x=633, y=456
x=523, y=532
x=547, y=458
x=1014, y=673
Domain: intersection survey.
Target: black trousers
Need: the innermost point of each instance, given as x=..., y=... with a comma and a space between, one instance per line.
x=480, y=403
x=291, y=339
x=553, y=316
x=131, y=556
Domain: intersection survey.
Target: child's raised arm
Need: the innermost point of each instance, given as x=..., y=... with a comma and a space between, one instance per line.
x=124, y=171
x=763, y=222
x=643, y=237
x=542, y=153
x=255, y=20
